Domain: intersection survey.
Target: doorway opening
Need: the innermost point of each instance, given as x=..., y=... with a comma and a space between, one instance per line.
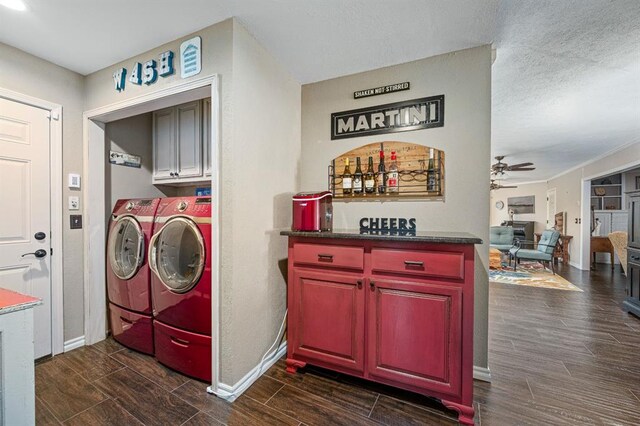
x=100, y=190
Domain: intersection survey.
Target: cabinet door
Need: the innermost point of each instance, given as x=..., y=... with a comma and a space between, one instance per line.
x=619, y=221
x=634, y=221
x=326, y=318
x=164, y=144
x=189, y=140
x=414, y=334
x=206, y=136
x=633, y=276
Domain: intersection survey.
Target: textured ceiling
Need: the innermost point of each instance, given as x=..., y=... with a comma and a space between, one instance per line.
x=566, y=85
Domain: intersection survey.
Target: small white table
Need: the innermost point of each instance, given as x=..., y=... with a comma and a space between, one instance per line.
x=17, y=373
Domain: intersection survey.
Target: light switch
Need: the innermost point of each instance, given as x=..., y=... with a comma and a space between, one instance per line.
x=74, y=203
x=75, y=221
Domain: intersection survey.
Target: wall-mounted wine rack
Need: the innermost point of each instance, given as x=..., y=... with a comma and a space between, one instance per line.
x=416, y=180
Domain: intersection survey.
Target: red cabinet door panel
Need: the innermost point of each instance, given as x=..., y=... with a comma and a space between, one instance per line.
x=414, y=334
x=425, y=263
x=328, y=255
x=328, y=310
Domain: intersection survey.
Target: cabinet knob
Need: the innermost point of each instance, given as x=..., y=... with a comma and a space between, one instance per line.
x=359, y=283
x=172, y=174
x=372, y=285
x=177, y=175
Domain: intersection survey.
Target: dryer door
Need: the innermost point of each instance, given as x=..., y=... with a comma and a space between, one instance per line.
x=126, y=247
x=177, y=254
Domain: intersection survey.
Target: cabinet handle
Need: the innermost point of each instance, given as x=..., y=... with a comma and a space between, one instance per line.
x=372, y=285
x=325, y=257
x=413, y=263
x=359, y=283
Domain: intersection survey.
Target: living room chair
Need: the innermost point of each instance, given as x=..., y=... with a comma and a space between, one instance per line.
x=619, y=242
x=542, y=253
x=501, y=238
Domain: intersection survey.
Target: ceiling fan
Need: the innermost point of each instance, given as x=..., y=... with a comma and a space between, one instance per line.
x=499, y=168
x=495, y=185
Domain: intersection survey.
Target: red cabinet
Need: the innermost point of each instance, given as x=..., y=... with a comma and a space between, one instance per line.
x=399, y=313
x=329, y=309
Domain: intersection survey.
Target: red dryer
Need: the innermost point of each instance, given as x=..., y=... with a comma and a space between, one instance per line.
x=180, y=258
x=130, y=229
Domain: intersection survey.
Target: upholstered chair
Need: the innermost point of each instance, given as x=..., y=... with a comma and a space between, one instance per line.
x=542, y=253
x=501, y=238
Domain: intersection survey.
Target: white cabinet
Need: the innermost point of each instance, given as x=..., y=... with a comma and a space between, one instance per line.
x=178, y=143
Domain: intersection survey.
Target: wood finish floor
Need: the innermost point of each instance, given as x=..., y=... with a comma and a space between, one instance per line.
x=556, y=357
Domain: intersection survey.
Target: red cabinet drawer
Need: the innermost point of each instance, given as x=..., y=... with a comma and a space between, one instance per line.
x=424, y=263
x=326, y=255
x=133, y=330
x=186, y=352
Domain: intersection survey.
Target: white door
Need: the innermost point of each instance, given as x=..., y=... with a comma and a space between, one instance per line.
x=551, y=208
x=25, y=217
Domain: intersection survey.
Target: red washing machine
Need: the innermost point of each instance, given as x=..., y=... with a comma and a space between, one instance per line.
x=180, y=258
x=128, y=287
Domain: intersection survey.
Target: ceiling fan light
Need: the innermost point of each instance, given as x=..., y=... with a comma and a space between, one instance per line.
x=14, y=4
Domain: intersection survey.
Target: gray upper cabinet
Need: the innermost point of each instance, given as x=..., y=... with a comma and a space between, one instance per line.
x=178, y=143
x=164, y=144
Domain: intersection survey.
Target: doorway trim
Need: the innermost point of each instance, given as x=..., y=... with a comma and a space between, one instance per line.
x=56, y=180
x=95, y=302
x=585, y=207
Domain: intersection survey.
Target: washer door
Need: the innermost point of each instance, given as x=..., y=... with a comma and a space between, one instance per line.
x=177, y=254
x=126, y=247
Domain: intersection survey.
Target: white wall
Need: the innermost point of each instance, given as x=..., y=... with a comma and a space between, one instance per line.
x=259, y=177
x=569, y=194
x=27, y=74
x=464, y=77
x=259, y=152
x=538, y=190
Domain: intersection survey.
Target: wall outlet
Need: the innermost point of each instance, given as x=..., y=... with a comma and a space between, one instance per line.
x=74, y=203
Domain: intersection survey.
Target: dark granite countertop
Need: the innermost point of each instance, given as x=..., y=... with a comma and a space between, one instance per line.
x=409, y=236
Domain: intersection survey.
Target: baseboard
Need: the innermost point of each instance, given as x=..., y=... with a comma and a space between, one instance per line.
x=482, y=374
x=231, y=392
x=72, y=344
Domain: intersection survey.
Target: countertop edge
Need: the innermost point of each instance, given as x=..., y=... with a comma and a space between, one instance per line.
x=20, y=307
x=443, y=239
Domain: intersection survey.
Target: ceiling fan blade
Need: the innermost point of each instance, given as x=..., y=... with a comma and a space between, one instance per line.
x=520, y=165
x=520, y=169
x=509, y=186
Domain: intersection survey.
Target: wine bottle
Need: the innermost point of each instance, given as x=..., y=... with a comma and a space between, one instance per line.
x=357, y=178
x=370, y=178
x=432, y=181
x=346, y=178
x=392, y=179
x=382, y=174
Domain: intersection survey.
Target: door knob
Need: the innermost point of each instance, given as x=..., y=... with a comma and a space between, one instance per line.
x=40, y=236
x=40, y=253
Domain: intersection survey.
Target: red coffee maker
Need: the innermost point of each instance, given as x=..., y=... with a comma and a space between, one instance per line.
x=312, y=211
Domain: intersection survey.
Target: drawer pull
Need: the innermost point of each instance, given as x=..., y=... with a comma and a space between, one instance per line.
x=413, y=263
x=179, y=342
x=636, y=258
x=123, y=319
x=327, y=257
